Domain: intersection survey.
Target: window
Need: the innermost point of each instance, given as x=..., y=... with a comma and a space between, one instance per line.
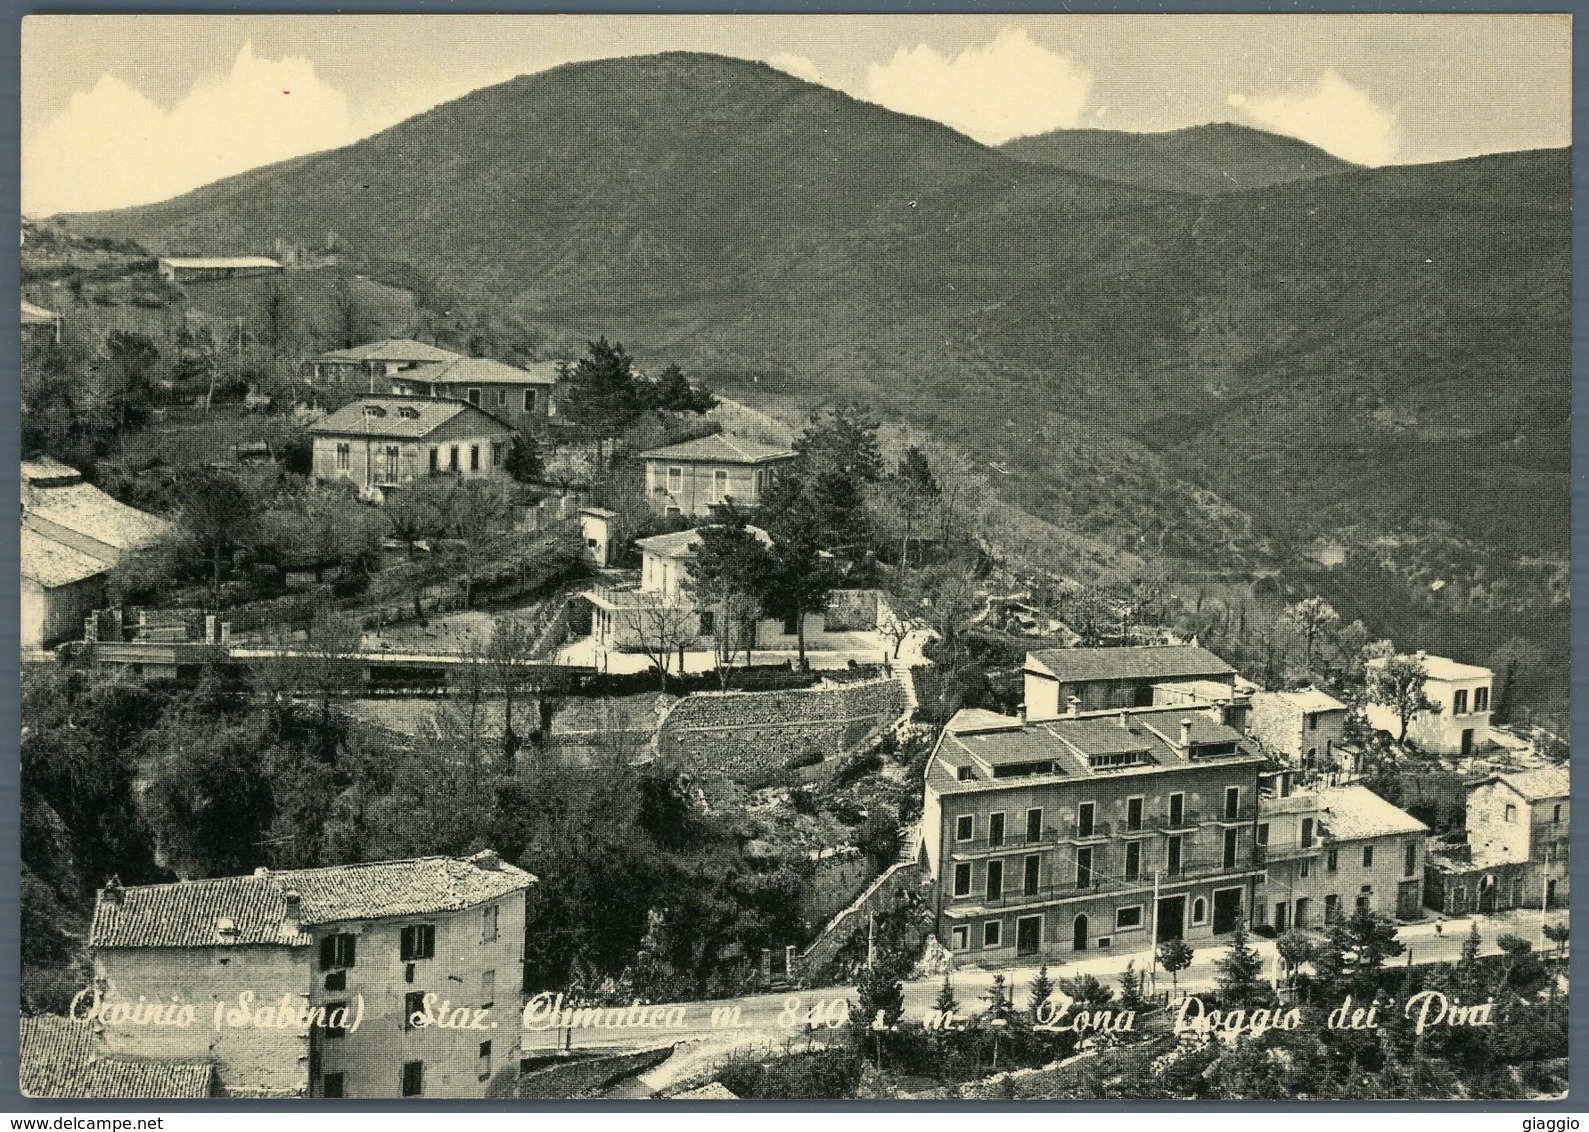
x=418, y=941
x=473, y=397
x=1029, y=881
x=1332, y=860
x=391, y=464
x=719, y=485
x=995, y=880
x=1133, y=860
x=502, y=398
x=1177, y=809
x=708, y=623
x=1313, y=721
x=529, y=400
x=1263, y=833
x=337, y=950
x=995, y=830
x=1313, y=757
x=964, y=774
x=331, y=1085
x=675, y=480
x=1412, y=859
x=1511, y=812
x=1368, y=856
x=413, y=1078
x=474, y=457
x=336, y=980
x=435, y=460
x=1332, y=908
x=413, y=1004
x=1172, y=857
x=1232, y=802
x=671, y=511
x=1128, y=918
x=1305, y=868
x=965, y=827
x=488, y=923
x=483, y=1062
x=1084, y=867
x=1230, y=848
x=344, y=455
x=1481, y=699
x=1365, y=898
x=336, y=1019
x=1459, y=702
x=1307, y=833
x=963, y=879
x=496, y=453
x=1034, y=824
x=959, y=938
x=1199, y=910
x=1133, y=813
x=1555, y=814
x=452, y=458
x=488, y=989
x=1084, y=816
x=991, y=932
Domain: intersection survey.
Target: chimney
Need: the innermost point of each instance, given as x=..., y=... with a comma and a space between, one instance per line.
x=1186, y=735
x=113, y=892
x=1125, y=720
x=293, y=916
x=1020, y=713
x=486, y=859
x=261, y=871
x=1074, y=707
x=1421, y=655
x=209, y=628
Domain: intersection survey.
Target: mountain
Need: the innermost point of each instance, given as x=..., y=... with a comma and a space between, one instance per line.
x=1216, y=158
x=1195, y=374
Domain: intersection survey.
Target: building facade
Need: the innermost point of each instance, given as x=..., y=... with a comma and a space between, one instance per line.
x=1305, y=726
x=1114, y=677
x=1518, y=852
x=305, y=982
x=524, y=397
x=698, y=475
x=381, y=442
x=1104, y=830
x=1459, y=723
x=374, y=362
x=191, y=269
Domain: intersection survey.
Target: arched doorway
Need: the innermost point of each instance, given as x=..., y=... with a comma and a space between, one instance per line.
x=1487, y=893
x=1078, y=939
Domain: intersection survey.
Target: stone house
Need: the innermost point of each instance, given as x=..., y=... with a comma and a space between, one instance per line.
x=383, y=441
x=597, y=527
x=521, y=396
x=1518, y=849
x=1305, y=726
x=1459, y=723
x=60, y=1057
x=1043, y=839
x=352, y=951
x=375, y=361
x=1332, y=850
x=1114, y=677
x=693, y=477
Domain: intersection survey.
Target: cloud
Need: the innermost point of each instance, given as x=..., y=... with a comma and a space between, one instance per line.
x=1004, y=89
x=1335, y=116
x=797, y=65
x=113, y=147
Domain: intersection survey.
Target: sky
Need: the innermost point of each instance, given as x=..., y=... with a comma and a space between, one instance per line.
x=121, y=110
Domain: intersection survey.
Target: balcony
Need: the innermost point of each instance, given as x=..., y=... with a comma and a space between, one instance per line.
x=982, y=846
x=1187, y=823
x=1196, y=868
x=1244, y=814
x=1097, y=831
x=1017, y=897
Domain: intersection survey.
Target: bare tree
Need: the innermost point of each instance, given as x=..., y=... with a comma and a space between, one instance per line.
x=662, y=627
x=478, y=515
x=510, y=653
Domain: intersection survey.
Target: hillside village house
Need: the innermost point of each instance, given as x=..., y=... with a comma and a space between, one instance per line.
x=376, y=360
x=1306, y=726
x=1517, y=852
x=190, y=269
x=1329, y=851
x=596, y=527
x=1459, y=723
x=624, y=618
x=381, y=442
x=1049, y=838
x=384, y=934
x=520, y=396
x=1118, y=677
x=693, y=477
x=73, y=534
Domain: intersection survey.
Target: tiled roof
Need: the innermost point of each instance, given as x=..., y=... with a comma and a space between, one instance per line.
x=390, y=350
x=1444, y=668
x=682, y=544
x=1352, y=812
x=1545, y=782
x=1305, y=700
x=486, y=371
x=218, y=261
x=51, y=563
x=58, y=1058
x=45, y=471
x=394, y=417
x=721, y=448
x=243, y=910
x=37, y=316
x=88, y=511
x=1134, y=662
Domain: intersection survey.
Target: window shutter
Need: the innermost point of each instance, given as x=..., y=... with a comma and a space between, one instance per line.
x=328, y=952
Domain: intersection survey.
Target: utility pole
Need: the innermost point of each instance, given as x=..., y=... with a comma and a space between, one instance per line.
x=1544, y=893
x=871, y=941
x=1153, y=936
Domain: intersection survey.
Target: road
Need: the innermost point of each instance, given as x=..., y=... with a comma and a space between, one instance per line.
x=771, y=1021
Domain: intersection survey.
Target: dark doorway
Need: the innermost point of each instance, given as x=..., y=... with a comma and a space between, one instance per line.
x=1227, y=909
x=1078, y=939
x=1487, y=894
x=1171, y=922
x=1028, y=934
x=1467, y=740
x=1550, y=894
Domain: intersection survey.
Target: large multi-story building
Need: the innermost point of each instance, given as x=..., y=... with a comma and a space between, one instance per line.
x=1459, y=721
x=1111, y=829
x=1517, y=851
x=379, y=443
x=1093, y=679
x=1329, y=851
x=354, y=949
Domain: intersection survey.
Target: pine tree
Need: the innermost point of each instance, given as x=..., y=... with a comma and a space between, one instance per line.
x=1240, y=985
x=880, y=993
x=1176, y=956
x=945, y=1002
x=1042, y=988
x=1131, y=988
